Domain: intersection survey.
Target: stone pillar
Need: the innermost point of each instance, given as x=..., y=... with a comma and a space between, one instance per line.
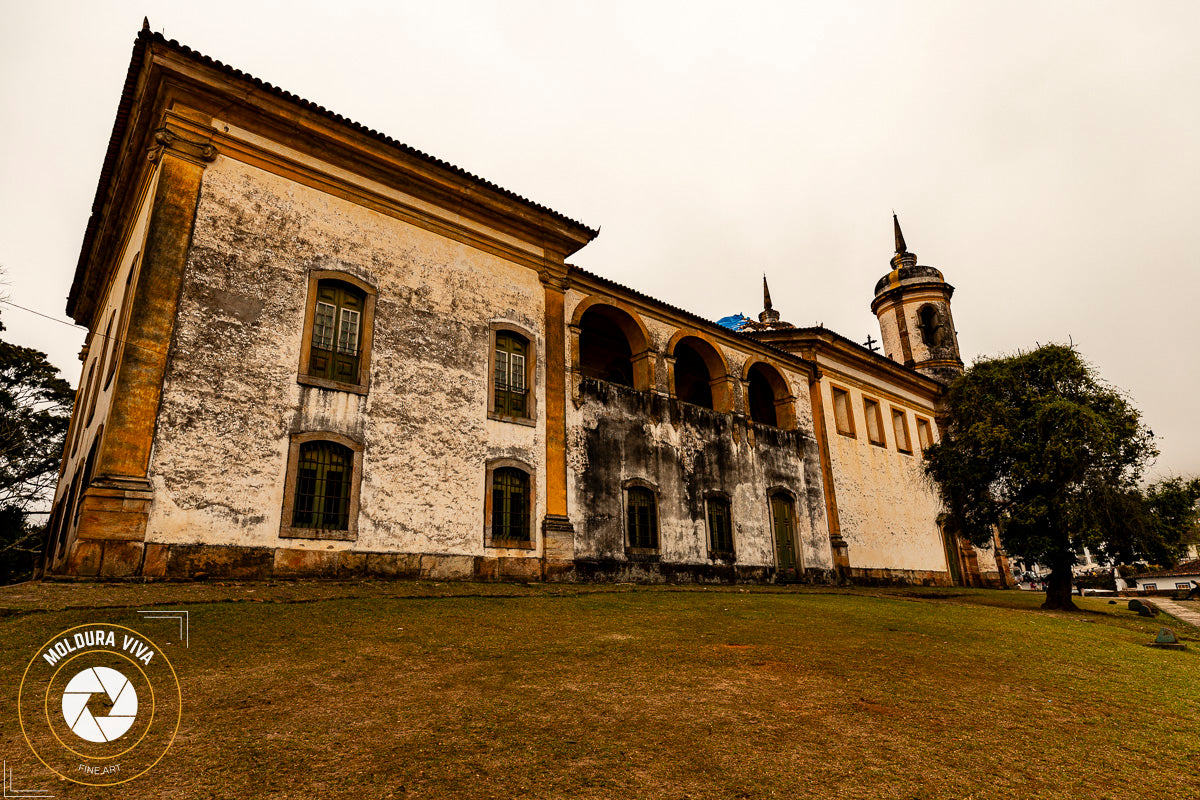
x=115, y=506
x=558, y=534
x=643, y=371
x=837, y=545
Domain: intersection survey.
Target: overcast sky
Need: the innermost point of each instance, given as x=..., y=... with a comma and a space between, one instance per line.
x=1045, y=156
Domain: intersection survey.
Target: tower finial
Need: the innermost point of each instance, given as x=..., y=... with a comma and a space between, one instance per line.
x=769, y=316
x=145, y=23
x=903, y=258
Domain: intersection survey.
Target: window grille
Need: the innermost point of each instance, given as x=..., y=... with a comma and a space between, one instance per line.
x=720, y=527
x=642, y=518
x=323, y=487
x=510, y=504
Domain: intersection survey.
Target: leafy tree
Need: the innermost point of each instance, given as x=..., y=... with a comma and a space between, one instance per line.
x=35, y=409
x=1037, y=446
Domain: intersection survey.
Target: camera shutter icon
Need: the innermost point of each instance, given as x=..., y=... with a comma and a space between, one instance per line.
x=121, y=694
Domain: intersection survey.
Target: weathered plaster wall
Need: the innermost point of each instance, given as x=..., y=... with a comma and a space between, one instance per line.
x=616, y=434
x=888, y=513
x=889, y=333
x=231, y=397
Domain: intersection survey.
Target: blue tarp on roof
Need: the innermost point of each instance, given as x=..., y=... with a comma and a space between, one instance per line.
x=736, y=322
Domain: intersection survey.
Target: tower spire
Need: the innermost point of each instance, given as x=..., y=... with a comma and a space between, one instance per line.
x=903, y=258
x=769, y=315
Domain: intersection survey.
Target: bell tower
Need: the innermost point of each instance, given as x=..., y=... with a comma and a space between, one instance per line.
x=912, y=303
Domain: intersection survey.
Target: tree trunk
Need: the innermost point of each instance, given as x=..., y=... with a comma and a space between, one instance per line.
x=1058, y=588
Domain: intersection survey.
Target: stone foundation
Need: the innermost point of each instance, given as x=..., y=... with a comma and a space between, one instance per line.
x=896, y=577
x=121, y=559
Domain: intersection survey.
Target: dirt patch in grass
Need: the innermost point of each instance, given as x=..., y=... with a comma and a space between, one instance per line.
x=495, y=691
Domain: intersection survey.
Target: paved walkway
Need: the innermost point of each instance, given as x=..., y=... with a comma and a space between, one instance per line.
x=1188, y=612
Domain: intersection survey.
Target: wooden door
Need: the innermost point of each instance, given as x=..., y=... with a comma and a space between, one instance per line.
x=782, y=520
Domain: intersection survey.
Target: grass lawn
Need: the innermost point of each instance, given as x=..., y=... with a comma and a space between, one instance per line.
x=494, y=691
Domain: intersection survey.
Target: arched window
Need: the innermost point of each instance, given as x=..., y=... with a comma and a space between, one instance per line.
x=604, y=352
x=720, y=528
x=762, y=399
x=110, y=355
x=510, y=505
x=336, y=332
x=769, y=400
x=699, y=373
x=510, y=378
x=54, y=535
x=322, y=494
x=930, y=322
x=323, y=475
x=692, y=378
x=641, y=520
x=82, y=395
x=121, y=329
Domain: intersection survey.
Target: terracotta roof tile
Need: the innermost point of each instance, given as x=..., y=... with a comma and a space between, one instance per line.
x=1186, y=568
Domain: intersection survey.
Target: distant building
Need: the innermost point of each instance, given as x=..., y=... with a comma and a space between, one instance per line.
x=315, y=351
x=1179, y=577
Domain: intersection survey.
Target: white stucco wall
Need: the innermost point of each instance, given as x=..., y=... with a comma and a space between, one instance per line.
x=888, y=512
x=231, y=398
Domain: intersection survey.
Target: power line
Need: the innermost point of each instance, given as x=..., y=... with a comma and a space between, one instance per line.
x=40, y=314
x=75, y=326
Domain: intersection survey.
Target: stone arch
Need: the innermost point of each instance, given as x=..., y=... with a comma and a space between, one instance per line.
x=610, y=342
x=769, y=397
x=698, y=372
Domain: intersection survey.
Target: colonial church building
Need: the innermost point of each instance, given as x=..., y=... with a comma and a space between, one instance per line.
x=315, y=351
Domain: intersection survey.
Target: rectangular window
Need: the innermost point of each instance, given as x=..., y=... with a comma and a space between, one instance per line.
x=323, y=326
x=1149, y=587
x=924, y=433
x=510, y=395
x=501, y=371
x=720, y=528
x=641, y=519
x=900, y=428
x=874, y=422
x=841, y=411
x=516, y=378
x=1182, y=586
x=348, y=335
